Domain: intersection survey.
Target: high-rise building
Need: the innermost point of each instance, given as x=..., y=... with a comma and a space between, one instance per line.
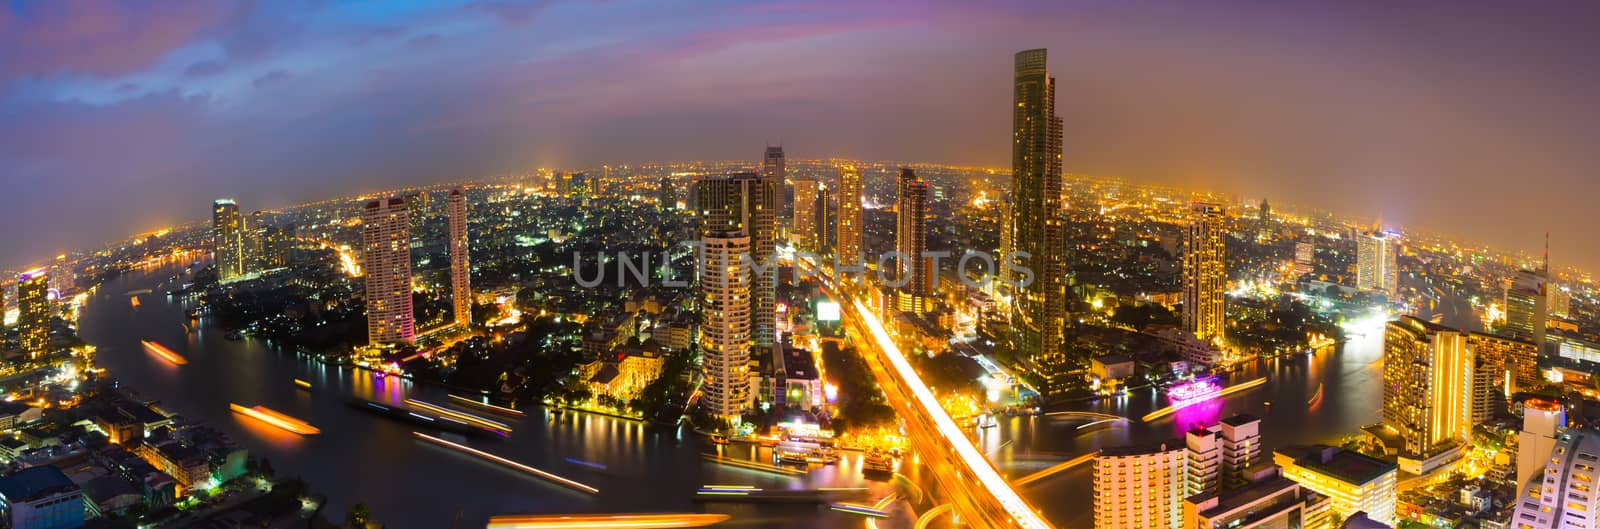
x=1205, y=273
x=823, y=236
x=847, y=243
x=1487, y=383
x=1204, y=473
x=386, y=244
x=667, y=190
x=255, y=242
x=1007, y=245
x=1264, y=222
x=1518, y=357
x=725, y=305
x=774, y=168
x=460, y=269
x=911, y=240
x=33, y=312
x=1305, y=257
x=228, y=240
x=1427, y=374
x=804, y=231
x=416, y=217
x=1037, y=224
x=1357, y=483
x=1526, y=315
x=748, y=202
x=1376, y=269
x=1140, y=487
x=1271, y=500
x=1542, y=421
x=1564, y=497
x=1558, y=300
x=1220, y=453
x=277, y=241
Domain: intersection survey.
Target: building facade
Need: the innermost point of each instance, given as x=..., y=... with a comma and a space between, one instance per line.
x=41, y=497
x=748, y=202
x=847, y=242
x=1205, y=273
x=1563, y=495
x=1376, y=268
x=386, y=244
x=1140, y=487
x=33, y=312
x=460, y=268
x=1356, y=483
x=915, y=293
x=228, y=240
x=1514, y=358
x=1271, y=502
x=725, y=307
x=1526, y=310
x=1036, y=223
x=1427, y=378
x=805, y=228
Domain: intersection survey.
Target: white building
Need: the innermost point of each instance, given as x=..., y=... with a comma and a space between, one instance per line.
x=725, y=306
x=1140, y=487
x=1375, y=262
x=1565, y=497
x=386, y=261
x=1542, y=420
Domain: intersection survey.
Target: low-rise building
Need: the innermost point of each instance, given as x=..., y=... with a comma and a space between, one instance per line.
x=1357, y=483
x=41, y=498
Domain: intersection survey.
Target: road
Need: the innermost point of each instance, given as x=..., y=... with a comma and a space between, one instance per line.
x=980, y=495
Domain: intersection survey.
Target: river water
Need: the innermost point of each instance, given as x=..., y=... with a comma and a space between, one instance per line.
x=361, y=457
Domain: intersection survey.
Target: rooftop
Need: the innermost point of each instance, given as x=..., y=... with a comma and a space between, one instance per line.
x=1344, y=465
x=34, y=483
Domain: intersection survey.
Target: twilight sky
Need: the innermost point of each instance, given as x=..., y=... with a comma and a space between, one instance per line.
x=120, y=116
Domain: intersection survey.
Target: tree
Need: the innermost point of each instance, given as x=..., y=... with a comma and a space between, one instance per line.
x=358, y=516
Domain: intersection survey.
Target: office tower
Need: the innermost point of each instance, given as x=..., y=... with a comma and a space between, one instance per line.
x=1264, y=222
x=1565, y=497
x=1356, y=483
x=911, y=240
x=460, y=270
x=1269, y=500
x=1376, y=269
x=33, y=312
x=386, y=241
x=1518, y=357
x=1542, y=420
x=803, y=232
x=228, y=239
x=1205, y=273
x=668, y=193
x=1525, y=307
x=772, y=164
x=1558, y=300
x=748, y=202
x=725, y=306
x=1037, y=226
x=847, y=243
x=1305, y=257
x=277, y=240
x=1426, y=378
x=1140, y=487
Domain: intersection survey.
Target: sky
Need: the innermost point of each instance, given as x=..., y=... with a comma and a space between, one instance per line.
x=1473, y=119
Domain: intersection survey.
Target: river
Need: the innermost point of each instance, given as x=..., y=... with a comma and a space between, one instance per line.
x=361, y=457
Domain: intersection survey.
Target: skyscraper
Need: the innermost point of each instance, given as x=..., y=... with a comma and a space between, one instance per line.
x=667, y=193
x=804, y=230
x=255, y=242
x=725, y=307
x=1140, y=487
x=277, y=240
x=847, y=244
x=460, y=282
x=1264, y=221
x=822, y=234
x=774, y=168
x=1526, y=315
x=1427, y=377
x=1205, y=273
x=416, y=216
x=228, y=239
x=748, y=202
x=911, y=240
x=386, y=242
x=1563, y=497
x=33, y=312
x=1037, y=226
x=1376, y=269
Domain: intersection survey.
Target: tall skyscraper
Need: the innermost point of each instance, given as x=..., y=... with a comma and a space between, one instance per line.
x=416, y=216
x=748, y=202
x=847, y=244
x=1205, y=273
x=1526, y=311
x=1037, y=226
x=33, y=312
x=911, y=238
x=1356, y=483
x=255, y=242
x=1517, y=357
x=803, y=232
x=1376, y=269
x=386, y=241
x=773, y=167
x=277, y=240
x=1564, y=497
x=725, y=306
x=228, y=239
x=1140, y=487
x=824, y=242
x=1558, y=300
x=667, y=192
x=460, y=270
x=1427, y=377
x=1264, y=221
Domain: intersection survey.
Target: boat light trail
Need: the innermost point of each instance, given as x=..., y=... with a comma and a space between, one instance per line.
x=976, y=464
x=1036, y=476
x=269, y=416
x=468, y=418
x=604, y=521
x=751, y=465
x=163, y=352
x=859, y=510
x=302, y=384
x=518, y=466
x=933, y=514
x=1169, y=410
x=487, y=407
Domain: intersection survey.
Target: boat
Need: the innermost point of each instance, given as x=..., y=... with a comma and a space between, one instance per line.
x=163, y=352
x=877, y=464
x=719, y=439
x=275, y=418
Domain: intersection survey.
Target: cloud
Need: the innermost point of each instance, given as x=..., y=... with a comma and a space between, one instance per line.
x=515, y=13
x=205, y=69
x=99, y=39
x=270, y=78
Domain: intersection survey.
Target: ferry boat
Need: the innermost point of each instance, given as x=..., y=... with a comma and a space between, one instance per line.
x=877, y=464
x=1197, y=390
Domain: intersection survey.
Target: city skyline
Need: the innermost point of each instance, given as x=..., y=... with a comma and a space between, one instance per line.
x=160, y=109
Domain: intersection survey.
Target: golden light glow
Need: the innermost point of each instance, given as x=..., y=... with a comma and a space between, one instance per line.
x=517, y=466
x=460, y=416
x=1163, y=412
x=1036, y=476
x=634, y=521
x=163, y=352
x=269, y=416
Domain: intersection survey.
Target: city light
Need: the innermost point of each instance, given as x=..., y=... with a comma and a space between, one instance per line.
x=164, y=353
x=283, y=422
x=507, y=463
x=608, y=521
